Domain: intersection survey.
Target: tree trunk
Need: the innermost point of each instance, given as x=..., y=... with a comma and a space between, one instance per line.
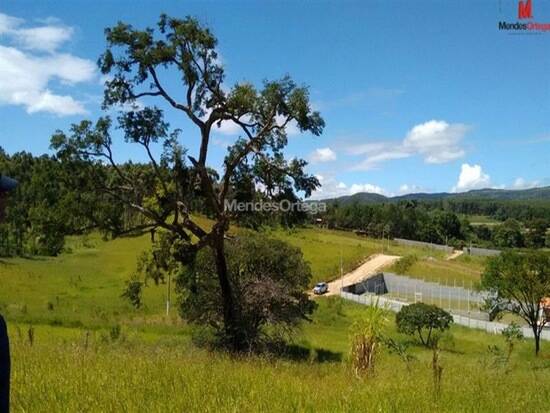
x=233, y=334
x=537, y=341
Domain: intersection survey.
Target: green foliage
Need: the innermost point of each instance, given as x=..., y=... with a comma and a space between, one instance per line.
x=519, y=283
x=401, y=349
x=508, y=235
x=445, y=221
x=133, y=292
x=512, y=334
x=536, y=233
x=424, y=320
x=269, y=280
x=405, y=263
x=56, y=197
x=398, y=220
x=367, y=336
x=186, y=49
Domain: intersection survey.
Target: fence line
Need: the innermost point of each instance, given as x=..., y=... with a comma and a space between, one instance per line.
x=481, y=252
x=455, y=297
x=394, y=305
x=409, y=242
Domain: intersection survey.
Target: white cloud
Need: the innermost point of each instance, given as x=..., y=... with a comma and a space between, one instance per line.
x=45, y=38
x=48, y=102
x=373, y=161
x=323, y=155
x=26, y=77
x=521, y=183
x=374, y=189
x=410, y=189
x=8, y=23
x=471, y=177
x=435, y=141
x=332, y=188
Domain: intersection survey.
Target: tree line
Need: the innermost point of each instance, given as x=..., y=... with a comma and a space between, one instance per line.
x=436, y=223
x=56, y=198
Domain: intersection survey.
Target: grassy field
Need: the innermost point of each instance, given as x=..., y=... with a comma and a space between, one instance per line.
x=68, y=370
x=462, y=271
x=323, y=248
x=83, y=286
x=77, y=346
x=481, y=220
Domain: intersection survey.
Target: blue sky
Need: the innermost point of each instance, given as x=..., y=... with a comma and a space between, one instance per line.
x=417, y=96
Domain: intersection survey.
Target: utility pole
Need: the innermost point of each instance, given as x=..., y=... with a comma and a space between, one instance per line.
x=341, y=270
x=168, y=294
x=440, y=292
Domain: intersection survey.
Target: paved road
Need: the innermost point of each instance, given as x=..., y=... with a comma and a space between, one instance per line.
x=374, y=264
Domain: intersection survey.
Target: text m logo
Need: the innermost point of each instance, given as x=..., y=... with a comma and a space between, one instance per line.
x=525, y=10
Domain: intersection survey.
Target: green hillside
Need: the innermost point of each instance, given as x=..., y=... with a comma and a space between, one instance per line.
x=73, y=337
x=532, y=194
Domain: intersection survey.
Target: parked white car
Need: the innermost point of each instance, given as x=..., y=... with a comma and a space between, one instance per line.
x=320, y=288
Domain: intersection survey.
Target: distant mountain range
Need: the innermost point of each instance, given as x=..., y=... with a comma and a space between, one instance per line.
x=478, y=194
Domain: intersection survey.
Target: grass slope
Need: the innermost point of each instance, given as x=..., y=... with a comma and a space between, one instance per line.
x=79, y=361
x=463, y=270
x=67, y=370
x=83, y=287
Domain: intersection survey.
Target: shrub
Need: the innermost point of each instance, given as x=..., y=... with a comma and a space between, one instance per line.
x=269, y=280
x=404, y=264
x=423, y=320
x=133, y=292
x=512, y=334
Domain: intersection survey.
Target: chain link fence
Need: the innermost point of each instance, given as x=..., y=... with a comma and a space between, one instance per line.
x=473, y=317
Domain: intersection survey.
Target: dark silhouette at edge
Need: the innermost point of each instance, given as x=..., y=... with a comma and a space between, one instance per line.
x=6, y=185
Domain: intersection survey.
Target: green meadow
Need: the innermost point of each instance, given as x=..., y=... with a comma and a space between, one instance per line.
x=78, y=346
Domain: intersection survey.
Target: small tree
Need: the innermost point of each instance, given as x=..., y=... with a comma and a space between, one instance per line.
x=536, y=233
x=508, y=234
x=368, y=335
x=512, y=334
x=133, y=291
x=422, y=320
x=519, y=283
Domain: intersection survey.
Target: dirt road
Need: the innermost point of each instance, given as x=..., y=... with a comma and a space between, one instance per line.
x=374, y=264
x=454, y=255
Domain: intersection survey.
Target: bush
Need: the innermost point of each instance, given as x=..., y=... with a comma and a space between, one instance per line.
x=133, y=292
x=512, y=334
x=404, y=264
x=423, y=320
x=269, y=280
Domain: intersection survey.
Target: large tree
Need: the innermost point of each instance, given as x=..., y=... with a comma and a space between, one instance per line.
x=141, y=66
x=520, y=283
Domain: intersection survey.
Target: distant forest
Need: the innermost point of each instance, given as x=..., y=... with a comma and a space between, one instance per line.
x=60, y=197
x=520, y=223
x=57, y=197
